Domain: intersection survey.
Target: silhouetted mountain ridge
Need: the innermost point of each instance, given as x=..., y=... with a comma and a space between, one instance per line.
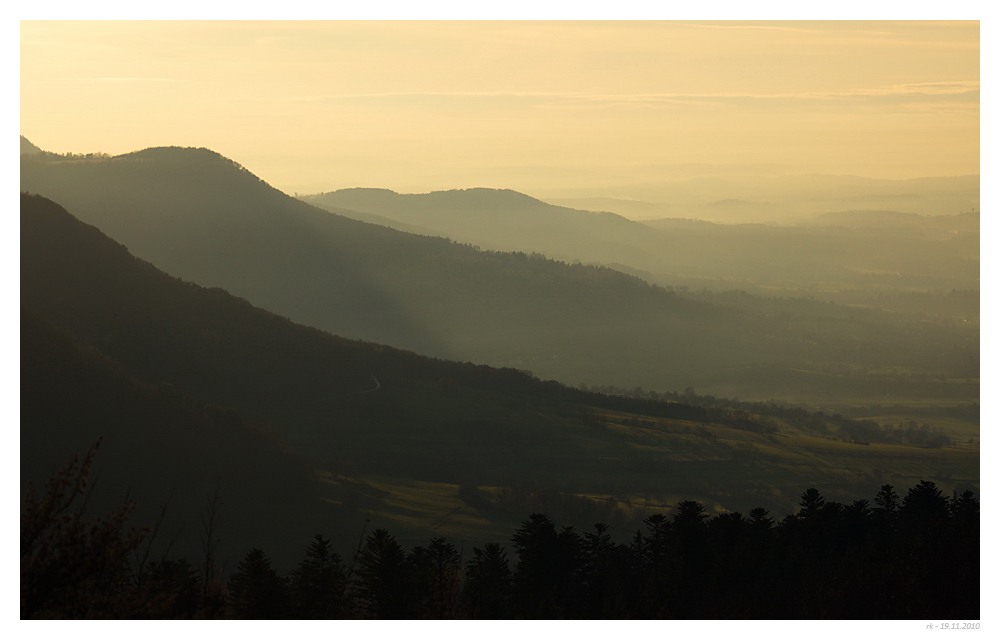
x=28, y=148
x=204, y=218
x=500, y=219
x=791, y=260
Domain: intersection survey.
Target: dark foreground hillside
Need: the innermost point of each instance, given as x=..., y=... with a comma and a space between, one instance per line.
x=161, y=449
x=915, y=558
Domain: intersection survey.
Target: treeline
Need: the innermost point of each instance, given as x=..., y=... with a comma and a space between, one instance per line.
x=868, y=431
x=968, y=412
x=722, y=407
x=915, y=557
x=753, y=416
x=50, y=156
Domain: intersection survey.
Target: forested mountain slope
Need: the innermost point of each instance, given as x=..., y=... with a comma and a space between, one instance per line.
x=856, y=250
x=204, y=218
x=501, y=219
x=159, y=447
x=361, y=411
x=327, y=395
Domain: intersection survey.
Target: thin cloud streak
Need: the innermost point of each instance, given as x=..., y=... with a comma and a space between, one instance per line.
x=116, y=80
x=902, y=90
x=702, y=25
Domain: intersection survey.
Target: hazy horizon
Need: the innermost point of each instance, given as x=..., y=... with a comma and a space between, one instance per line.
x=500, y=320
x=552, y=109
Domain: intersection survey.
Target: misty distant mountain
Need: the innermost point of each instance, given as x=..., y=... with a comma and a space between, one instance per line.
x=383, y=221
x=792, y=198
x=632, y=209
x=967, y=222
x=28, y=148
x=831, y=253
x=868, y=218
x=204, y=218
x=501, y=219
x=791, y=260
x=671, y=224
x=736, y=203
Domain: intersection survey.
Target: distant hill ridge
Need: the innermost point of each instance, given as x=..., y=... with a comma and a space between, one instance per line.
x=965, y=221
x=504, y=220
x=28, y=148
x=736, y=203
x=204, y=218
x=867, y=218
x=479, y=197
x=466, y=213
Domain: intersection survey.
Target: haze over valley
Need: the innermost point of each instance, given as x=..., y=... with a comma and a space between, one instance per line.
x=419, y=311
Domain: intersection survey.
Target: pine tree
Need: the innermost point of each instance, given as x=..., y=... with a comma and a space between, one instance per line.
x=317, y=584
x=812, y=502
x=488, y=583
x=380, y=585
x=258, y=592
x=546, y=577
x=176, y=587
x=433, y=579
x=886, y=502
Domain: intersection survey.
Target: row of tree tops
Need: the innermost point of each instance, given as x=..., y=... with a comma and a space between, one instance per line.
x=915, y=557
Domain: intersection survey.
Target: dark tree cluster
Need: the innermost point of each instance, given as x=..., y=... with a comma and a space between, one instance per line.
x=756, y=416
x=909, y=558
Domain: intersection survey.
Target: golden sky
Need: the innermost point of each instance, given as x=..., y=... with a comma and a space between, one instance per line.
x=414, y=106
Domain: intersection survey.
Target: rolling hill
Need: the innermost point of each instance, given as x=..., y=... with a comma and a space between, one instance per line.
x=426, y=445
x=28, y=148
x=204, y=218
x=504, y=220
x=801, y=259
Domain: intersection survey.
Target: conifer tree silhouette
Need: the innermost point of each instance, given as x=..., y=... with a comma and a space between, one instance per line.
x=811, y=503
x=318, y=583
x=178, y=587
x=547, y=569
x=488, y=584
x=887, y=501
x=433, y=578
x=380, y=582
x=257, y=591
